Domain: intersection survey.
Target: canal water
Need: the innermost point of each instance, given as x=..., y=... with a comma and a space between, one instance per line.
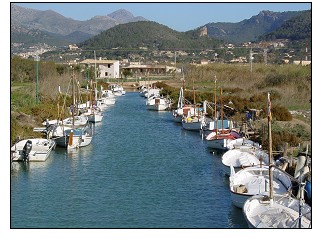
x=141, y=170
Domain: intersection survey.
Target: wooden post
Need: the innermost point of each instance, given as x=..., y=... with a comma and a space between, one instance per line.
x=291, y=163
x=285, y=149
x=270, y=148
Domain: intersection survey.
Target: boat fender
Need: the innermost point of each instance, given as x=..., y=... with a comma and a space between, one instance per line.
x=26, y=150
x=71, y=135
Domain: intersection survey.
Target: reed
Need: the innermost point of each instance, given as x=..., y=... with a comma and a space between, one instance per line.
x=291, y=82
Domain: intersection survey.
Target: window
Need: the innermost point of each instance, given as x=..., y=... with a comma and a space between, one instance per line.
x=109, y=65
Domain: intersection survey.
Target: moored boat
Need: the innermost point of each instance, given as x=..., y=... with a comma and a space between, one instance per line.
x=240, y=158
x=36, y=149
x=252, y=181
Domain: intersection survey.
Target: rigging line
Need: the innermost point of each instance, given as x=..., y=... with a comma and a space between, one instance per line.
x=63, y=107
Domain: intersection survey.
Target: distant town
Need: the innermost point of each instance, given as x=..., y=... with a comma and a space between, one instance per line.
x=163, y=62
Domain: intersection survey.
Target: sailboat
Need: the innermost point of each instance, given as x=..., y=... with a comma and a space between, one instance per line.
x=75, y=136
x=196, y=121
x=94, y=113
x=184, y=108
x=156, y=102
x=219, y=139
x=105, y=100
x=275, y=210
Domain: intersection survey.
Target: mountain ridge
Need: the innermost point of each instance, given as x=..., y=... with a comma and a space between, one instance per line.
x=52, y=25
x=262, y=23
x=51, y=22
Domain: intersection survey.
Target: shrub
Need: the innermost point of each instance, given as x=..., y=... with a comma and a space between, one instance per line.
x=281, y=113
x=279, y=138
x=274, y=80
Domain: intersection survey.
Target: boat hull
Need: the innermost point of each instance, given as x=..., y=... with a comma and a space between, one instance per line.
x=40, y=151
x=255, y=181
x=80, y=138
x=157, y=107
x=219, y=144
x=95, y=118
x=194, y=126
x=280, y=212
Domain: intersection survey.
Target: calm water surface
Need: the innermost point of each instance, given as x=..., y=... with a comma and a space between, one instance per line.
x=141, y=170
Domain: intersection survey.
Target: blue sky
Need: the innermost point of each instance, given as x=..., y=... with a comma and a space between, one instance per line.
x=180, y=16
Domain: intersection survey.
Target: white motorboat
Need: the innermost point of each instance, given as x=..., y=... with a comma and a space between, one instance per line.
x=157, y=103
x=117, y=90
x=37, y=149
x=151, y=92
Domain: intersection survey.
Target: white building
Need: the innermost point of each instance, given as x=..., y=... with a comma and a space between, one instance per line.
x=303, y=63
x=107, y=68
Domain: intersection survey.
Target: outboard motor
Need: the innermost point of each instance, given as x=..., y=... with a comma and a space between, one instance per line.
x=26, y=150
x=50, y=128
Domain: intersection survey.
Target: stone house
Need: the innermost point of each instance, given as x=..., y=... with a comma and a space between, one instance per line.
x=106, y=68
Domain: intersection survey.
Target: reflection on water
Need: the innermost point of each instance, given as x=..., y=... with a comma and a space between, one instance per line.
x=30, y=166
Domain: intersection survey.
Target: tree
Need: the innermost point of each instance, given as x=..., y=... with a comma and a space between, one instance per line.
x=126, y=73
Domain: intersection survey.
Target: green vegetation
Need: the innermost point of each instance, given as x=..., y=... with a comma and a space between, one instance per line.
x=242, y=89
x=297, y=28
x=243, y=86
x=31, y=37
x=151, y=35
x=289, y=85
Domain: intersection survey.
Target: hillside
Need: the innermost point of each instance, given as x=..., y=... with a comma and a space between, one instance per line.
x=30, y=37
x=156, y=36
x=63, y=28
x=147, y=34
x=264, y=22
x=58, y=27
x=297, y=28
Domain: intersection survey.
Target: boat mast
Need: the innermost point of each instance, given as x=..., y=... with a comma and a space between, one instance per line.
x=194, y=99
x=71, y=134
x=95, y=82
x=301, y=193
x=221, y=111
x=92, y=95
x=74, y=99
x=270, y=149
x=183, y=89
x=215, y=106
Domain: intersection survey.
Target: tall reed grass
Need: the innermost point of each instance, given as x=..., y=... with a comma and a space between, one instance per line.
x=292, y=83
